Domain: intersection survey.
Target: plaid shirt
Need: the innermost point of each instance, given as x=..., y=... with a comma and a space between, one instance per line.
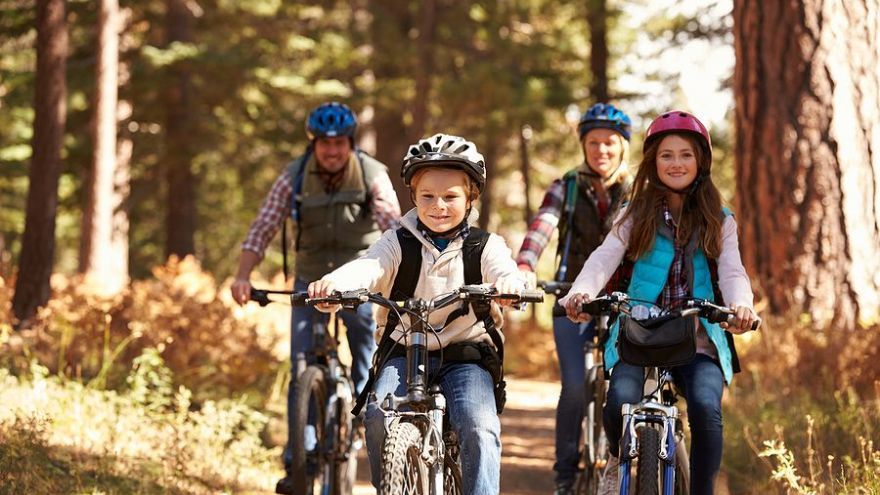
x=676, y=288
x=543, y=225
x=276, y=207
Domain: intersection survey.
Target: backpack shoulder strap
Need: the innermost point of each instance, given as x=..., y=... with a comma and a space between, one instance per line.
x=472, y=256
x=295, y=171
x=407, y=277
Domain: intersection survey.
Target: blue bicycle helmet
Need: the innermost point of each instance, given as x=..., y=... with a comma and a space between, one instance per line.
x=331, y=120
x=604, y=116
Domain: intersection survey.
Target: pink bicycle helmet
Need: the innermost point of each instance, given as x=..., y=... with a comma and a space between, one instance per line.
x=678, y=121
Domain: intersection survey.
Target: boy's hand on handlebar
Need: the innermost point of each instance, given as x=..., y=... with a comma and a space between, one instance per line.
x=323, y=288
x=529, y=276
x=573, y=308
x=743, y=320
x=241, y=291
x=508, y=285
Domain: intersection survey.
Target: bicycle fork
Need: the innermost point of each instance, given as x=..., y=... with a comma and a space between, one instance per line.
x=646, y=414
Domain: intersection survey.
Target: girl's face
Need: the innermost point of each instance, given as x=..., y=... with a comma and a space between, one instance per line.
x=676, y=162
x=441, y=198
x=603, y=150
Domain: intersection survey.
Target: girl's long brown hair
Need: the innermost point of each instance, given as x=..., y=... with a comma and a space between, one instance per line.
x=701, y=212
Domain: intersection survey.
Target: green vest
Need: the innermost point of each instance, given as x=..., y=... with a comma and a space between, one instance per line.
x=333, y=228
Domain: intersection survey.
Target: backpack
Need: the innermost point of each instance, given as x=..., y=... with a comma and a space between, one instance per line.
x=296, y=170
x=404, y=287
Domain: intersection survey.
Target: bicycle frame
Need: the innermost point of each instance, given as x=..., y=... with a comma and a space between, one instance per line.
x=428, y=405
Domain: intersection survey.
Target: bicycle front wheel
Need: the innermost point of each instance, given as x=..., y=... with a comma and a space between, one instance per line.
x=403, y=470
x=346, y=453
x=648, y=467
x=309, y=418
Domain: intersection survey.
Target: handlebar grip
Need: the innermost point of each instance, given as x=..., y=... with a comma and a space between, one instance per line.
x=595, y=307
x=718, y=316
x=532, y=296
x=260, y=296
x=299, y=299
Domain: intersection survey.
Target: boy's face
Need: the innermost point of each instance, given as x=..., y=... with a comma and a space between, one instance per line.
x=441, y=198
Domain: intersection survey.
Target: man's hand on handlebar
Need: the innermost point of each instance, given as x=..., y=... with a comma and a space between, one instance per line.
x=323, y=288
x=241, y=291
x=743, y=321
x=573, y=308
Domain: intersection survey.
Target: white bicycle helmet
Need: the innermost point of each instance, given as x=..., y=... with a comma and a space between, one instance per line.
x=445, y=150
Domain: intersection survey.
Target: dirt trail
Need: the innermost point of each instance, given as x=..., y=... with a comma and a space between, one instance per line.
x=526, y=436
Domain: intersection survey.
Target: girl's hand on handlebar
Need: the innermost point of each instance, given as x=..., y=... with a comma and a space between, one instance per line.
x=323, y=288
x=508, y=285
x=573, y=308
x=742, y=323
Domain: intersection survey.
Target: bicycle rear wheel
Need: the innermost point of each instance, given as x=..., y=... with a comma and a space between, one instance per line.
x=346, y=453
x=595, y=447
x=308, y=435
x=403, y=470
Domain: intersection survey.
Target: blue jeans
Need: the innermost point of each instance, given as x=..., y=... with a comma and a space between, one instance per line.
x=702, y=383
x=471, y=412
x=570, y=339
x=360, y=329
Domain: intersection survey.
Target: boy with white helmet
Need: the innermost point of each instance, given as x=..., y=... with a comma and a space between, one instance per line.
x=446, y=174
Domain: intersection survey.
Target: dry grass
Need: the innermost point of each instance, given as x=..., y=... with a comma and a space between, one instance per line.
x=804, y=417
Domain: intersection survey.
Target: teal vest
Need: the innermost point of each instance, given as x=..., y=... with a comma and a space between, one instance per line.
x=333, y=229
x=649, y=276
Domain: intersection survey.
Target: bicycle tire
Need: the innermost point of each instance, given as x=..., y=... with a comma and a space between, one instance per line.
x=451, y=477
x=309, y=410
x=594, y=453
x=648, y=466
x=403, y=470
x=346, y=468
x=682, y=469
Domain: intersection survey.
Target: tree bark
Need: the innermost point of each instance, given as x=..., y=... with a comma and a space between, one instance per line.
x=424, y=67
x=104, y=260
x=181, y=214
x=597, y=18
x=808, y=172
x=487, y=203
x=32, y=288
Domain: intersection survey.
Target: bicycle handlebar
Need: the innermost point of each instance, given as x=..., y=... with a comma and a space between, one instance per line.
x=353, y=298
x=617, y=303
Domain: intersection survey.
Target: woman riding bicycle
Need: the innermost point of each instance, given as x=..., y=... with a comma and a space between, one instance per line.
x=581, y=206
x=674, y=231
x=446, y=174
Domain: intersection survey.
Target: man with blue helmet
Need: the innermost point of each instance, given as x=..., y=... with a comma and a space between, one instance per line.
x=581, y=206
x=341, y=200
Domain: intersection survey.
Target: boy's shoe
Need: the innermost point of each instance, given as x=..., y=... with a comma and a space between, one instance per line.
x=564, y=488
x=285, y=485
x=608, y=483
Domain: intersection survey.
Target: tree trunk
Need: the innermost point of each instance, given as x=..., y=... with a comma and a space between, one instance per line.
x=50, y=113
x=181, y=214
x=597, y=18
x=388, y=31
x=105, y=245
x=490, y=154
x=808, y=172
x=424, y=69
x=525, y=136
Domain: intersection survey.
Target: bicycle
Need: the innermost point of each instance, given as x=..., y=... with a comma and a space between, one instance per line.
x=594, y=450
x=652, y=428
x=420, y=453
x=324, y=438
